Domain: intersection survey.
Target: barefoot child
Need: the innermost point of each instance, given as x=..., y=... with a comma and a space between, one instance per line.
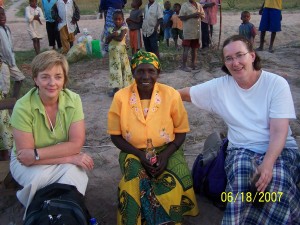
x=119, y=68
x=135, y=22
x=191, y=14
x=167, y=24
x=34, y=15
x=247, y=29
x=176, y=25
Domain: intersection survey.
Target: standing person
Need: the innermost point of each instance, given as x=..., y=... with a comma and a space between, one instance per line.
x=167, y=24
x=247, y=29
x=7, y=60
x=120, y=74
x=66, y=13
x=211, y=10
x=270, y=21
x=51, y=24
x=49, y=132
x=135, y=22
x=152, y=18
x=34, y=16
x=176, y=25
x=109, y=7
x=258, y=133
x=151, y=194
x=191, y=14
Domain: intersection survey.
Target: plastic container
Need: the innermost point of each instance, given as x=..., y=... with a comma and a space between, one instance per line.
x=96, y=48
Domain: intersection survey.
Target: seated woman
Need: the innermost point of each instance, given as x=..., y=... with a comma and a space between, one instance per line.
x=256, y=106
x=160, y=194
x=49, y=132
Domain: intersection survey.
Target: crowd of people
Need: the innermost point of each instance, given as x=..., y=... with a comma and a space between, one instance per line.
x=46, y=131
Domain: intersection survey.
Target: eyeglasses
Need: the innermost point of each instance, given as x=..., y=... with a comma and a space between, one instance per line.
x=239, y=57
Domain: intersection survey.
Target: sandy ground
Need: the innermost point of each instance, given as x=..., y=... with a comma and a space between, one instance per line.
x=90, y=79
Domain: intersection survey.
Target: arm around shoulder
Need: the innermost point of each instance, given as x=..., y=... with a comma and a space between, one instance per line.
x=185, y=94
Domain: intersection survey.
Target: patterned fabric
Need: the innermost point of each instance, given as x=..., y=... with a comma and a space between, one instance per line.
x=6, y=137
x=144, y=57
x=120, y=75
x=155, y=201
x=286, y=174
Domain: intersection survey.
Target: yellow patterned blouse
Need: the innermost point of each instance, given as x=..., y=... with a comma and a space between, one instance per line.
x=166, y=116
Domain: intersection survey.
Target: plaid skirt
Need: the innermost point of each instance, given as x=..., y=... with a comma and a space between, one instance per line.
x=281, y=198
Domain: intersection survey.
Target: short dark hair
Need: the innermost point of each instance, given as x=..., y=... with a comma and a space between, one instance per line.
x=245, y=12
x=249, y=46
x=177, y=4
x=118, y=12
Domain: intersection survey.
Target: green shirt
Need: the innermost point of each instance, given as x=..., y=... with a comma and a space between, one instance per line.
x=29, y=116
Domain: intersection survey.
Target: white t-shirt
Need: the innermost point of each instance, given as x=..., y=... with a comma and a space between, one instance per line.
x=247, y=112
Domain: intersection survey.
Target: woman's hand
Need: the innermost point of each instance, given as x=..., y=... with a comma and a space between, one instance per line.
x=26, y=157
x=145, y=163
x=83, y=160
x=266, y=173
x=162, y=162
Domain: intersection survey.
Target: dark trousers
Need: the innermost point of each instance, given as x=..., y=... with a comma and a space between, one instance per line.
x=150, y=43
x=206, y=31
x=53, y=34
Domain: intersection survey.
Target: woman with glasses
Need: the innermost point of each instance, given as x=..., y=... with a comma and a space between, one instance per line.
x=49, y=132
x=256, y=106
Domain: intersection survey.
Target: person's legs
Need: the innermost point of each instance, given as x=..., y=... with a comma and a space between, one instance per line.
x=262, y=40
x=57, y=35
x=153, y=44
x=34, y=41
x=195, y=46
x=194, y=57
x=205, y=35
x=50, y=33
x=184, y=59
x=64, y=40
x=275, y=26
x=273, y=35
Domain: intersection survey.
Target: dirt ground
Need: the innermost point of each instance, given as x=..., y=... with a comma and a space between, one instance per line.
x=89, y=78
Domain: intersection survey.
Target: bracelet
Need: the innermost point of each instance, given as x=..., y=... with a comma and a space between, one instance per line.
x=173, y=143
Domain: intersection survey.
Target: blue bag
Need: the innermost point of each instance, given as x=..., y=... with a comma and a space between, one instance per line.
x=209, y=176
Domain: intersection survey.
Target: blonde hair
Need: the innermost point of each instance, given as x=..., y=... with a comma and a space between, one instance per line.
x=47, y=60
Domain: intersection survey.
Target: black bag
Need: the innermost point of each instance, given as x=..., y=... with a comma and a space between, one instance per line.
x=57, y=204
x=209, y=176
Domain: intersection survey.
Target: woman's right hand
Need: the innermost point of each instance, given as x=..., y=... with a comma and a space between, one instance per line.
x=83, y=160
x=146, y=164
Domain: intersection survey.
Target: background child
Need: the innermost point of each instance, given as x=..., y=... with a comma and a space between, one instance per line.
x=191, y=14
x=34, y=15
x=51, y=24
x=167, y=24
x=135, y=22
x=247, y=29
x=119, y=68
x=66, y=13
x=176, y=25
x=152, y=19
x=8, y=68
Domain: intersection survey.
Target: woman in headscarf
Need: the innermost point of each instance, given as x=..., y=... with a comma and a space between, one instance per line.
x=161, y=193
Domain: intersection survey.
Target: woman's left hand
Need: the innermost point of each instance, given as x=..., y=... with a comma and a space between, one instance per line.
x=26, y=157
x=162, y=161
x=266, y=173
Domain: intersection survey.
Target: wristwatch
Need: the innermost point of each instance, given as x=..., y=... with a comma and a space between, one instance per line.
x=36, y=154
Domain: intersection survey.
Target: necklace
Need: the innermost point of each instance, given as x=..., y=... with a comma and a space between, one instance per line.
x=51, y=125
